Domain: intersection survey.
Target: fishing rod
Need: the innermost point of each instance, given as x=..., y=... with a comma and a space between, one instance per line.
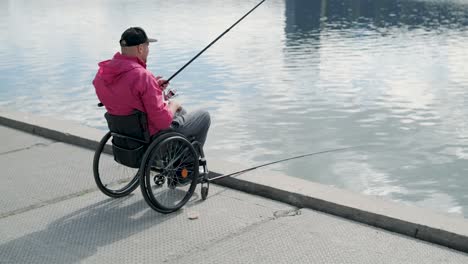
x=282, y=160
x=209, y=45
x=171, y=93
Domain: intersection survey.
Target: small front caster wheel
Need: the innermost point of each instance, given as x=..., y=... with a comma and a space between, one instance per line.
x=204, y=192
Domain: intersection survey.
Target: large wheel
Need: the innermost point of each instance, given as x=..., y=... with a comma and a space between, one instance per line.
x=112, y=178
x=169, y=173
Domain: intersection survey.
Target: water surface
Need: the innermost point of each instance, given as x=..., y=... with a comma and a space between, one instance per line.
x=295, y=77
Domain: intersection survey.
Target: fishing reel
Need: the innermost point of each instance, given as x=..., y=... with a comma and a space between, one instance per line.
x=170, y=93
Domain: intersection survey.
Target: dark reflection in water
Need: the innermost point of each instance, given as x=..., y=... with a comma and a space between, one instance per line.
x=303, y=16
x=309, y=16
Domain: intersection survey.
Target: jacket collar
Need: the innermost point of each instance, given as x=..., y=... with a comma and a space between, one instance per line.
x=119, y=56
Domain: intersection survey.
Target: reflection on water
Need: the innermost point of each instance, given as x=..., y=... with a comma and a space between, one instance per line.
x=296, y=76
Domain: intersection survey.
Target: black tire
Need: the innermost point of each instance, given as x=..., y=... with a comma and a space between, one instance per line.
x=124, y=179
x=174, y=159
x=204, y=192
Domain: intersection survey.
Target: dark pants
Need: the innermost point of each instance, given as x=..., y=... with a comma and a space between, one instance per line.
x=194, y=124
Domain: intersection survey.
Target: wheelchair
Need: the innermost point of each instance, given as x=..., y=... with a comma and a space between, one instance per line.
x=167, y=166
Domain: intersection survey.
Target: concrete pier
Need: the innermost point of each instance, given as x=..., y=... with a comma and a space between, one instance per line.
x=52, y=212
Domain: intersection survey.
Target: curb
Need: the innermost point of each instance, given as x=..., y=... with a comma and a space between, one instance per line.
x=444, y=230
x=49, y=133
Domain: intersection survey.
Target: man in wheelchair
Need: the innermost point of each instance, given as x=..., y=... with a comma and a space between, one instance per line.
x=138, y=113
x=123, y=84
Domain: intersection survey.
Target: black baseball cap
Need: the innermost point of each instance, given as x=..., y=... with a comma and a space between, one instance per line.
x=134, y=36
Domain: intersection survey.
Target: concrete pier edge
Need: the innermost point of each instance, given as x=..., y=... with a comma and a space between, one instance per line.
x=448, y=231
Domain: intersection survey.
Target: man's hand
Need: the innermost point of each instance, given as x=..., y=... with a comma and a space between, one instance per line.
x=174, y=106
x=162, y=83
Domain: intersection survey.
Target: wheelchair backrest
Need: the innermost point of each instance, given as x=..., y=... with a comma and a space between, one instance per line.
x=130, y=137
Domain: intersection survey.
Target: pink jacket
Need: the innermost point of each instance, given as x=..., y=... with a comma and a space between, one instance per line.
x=123, y=84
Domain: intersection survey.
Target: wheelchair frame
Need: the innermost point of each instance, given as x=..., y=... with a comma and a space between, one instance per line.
x=158, y=144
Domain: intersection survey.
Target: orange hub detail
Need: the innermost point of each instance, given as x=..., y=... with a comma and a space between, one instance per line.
x=184, y=173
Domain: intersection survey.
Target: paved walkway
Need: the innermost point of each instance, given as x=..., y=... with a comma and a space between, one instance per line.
x=51, y=212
